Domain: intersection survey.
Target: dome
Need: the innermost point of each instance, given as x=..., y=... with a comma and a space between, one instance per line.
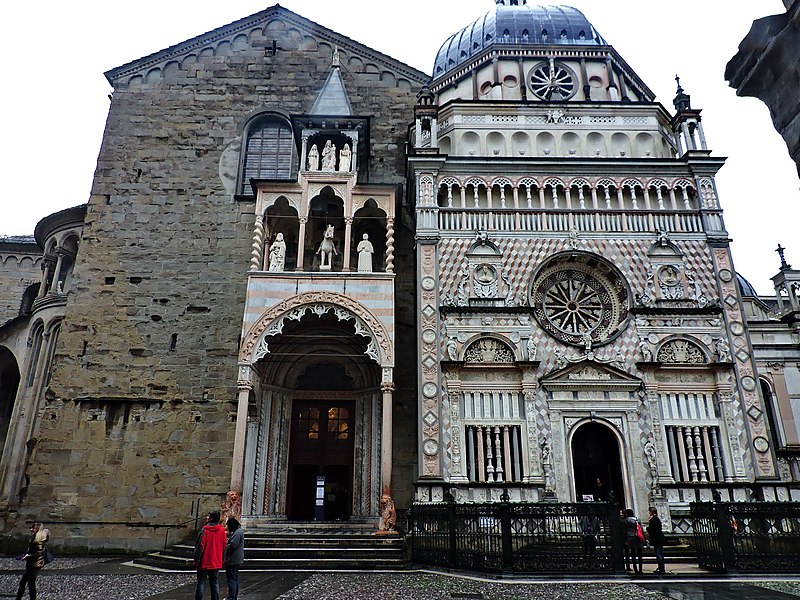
x=746, y=289
x=517, y=25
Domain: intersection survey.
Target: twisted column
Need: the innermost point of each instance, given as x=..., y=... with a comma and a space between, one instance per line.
x=258, y=245
x=390, y=245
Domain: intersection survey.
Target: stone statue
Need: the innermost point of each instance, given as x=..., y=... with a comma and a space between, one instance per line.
x=365, y=252
x=327, y=250
x=277, y=254
x=452, y=349
x=388, y=515
x=547, y=468
x=329, y=157
x=231, y=507
x=646, y=351
x=531, y=346
x=344, y=158
x=723, y=350
x=313, y=158
x=463, y=295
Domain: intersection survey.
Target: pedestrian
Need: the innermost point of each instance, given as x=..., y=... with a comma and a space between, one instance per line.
x=208, y=551
x=34, y=560
x=590, y=528
x=234, y=557
x=634, y=536
x=656, y=535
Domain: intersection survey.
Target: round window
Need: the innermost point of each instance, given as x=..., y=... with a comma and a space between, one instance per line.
x=579, y=297
x=552, y=81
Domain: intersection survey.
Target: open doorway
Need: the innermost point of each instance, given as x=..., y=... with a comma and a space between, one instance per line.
x=321, y=457
x=597, y=464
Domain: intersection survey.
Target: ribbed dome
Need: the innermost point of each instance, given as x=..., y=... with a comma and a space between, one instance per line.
x=745, y=287
x=517, y=25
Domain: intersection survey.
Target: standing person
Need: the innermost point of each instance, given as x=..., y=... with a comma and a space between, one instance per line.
x=600, y=492
x=34, y=560
x=635, y=544
x=590, y=528
x=657, y=539
x=208, y=555
x=234, y=557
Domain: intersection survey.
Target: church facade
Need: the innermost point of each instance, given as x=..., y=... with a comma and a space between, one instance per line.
x=317, y=280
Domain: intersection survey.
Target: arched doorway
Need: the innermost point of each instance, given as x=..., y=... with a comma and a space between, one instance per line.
x=325, y=448
x=9, y=383
x=596, y=457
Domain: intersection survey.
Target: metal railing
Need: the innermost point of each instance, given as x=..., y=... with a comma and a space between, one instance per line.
x=747, y=537
x=518, y=538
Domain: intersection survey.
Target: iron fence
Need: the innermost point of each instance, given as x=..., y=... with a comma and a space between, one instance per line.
x=751, y=537
x=518, y=538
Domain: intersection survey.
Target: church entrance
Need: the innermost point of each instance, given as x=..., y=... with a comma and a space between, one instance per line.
x=321, y=460
x=597, y=465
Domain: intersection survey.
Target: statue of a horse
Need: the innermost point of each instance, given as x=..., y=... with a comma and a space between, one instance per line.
x=327, y=250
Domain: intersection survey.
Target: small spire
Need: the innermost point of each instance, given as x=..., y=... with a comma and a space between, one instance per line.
x=335, y=61
x=784, y=265
x=682, y=101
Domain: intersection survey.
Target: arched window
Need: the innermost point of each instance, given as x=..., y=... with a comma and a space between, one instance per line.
x=268, y=151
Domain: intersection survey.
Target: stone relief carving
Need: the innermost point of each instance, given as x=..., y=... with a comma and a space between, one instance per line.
x=646, y=351
x=452, y=349
x=723, y=350
x=681, y=351
x=488, y=350
x=463, y=294
x=366, y=324
x=530, y=346
x=484, y=281
x=695, y=293
x=669, y=281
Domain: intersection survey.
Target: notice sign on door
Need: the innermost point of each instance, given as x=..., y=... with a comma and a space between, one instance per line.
x=320, y=490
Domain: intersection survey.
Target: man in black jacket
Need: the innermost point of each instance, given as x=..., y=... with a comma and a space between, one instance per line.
x=657, y=539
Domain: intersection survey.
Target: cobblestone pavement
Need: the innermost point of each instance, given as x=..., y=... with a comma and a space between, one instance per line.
x=111, y=579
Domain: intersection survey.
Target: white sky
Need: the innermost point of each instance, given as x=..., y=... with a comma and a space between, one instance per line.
x=55, y=99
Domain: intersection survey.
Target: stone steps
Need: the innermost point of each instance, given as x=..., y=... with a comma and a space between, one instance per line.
x=302, y=547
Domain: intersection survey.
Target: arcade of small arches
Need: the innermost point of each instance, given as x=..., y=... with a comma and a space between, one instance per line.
x=577, y=193
x=593, y=144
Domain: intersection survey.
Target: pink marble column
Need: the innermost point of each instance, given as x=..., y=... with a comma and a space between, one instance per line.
x=387, y=387
x=240, y=437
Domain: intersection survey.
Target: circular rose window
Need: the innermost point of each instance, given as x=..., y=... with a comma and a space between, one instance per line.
x=580, y=297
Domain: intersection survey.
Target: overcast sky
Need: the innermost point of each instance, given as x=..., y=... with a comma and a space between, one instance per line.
x=55, y=97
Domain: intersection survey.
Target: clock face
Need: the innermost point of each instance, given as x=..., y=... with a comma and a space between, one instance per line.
x=552, y=81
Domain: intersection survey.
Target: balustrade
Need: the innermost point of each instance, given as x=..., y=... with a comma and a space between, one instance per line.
x=609, y=221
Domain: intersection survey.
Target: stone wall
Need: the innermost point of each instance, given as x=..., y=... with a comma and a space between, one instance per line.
x=19, y=269
x=140, y=413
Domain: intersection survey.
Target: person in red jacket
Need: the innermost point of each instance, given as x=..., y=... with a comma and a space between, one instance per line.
x=208, y=552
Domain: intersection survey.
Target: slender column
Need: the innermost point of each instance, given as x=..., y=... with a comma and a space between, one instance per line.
x=348, y=242
x=304, y=154
x=389, y=245
x=703, y=144
x=387, y=387
x=47, y=265
x=57, y=271
x=301, y=244
x=240, y=437
x=258, y=245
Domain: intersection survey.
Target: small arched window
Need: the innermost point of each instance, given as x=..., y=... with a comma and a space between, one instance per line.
x=268, y=151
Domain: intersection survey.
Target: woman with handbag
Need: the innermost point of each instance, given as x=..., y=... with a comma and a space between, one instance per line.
x=34, y=560
x=635, y=538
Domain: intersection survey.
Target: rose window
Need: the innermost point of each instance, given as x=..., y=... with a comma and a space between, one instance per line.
x=578, y=299
x=552, y=81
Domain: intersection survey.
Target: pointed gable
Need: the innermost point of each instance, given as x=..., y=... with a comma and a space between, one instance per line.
x=254, y=31
x=332, y=99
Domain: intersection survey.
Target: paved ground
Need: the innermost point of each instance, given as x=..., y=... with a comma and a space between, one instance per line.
x=111, y=579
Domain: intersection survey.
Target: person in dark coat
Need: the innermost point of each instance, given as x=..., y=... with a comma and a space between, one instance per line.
x=34, y=560
x=208, y=551
x=634, y=543
x=234, y=557
x=656, y=536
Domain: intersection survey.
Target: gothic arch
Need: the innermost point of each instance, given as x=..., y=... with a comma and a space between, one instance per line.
x=271, y=323
x=616, y=430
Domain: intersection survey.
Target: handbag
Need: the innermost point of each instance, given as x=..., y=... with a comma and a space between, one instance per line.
x=639, y=532
x=48, y=556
